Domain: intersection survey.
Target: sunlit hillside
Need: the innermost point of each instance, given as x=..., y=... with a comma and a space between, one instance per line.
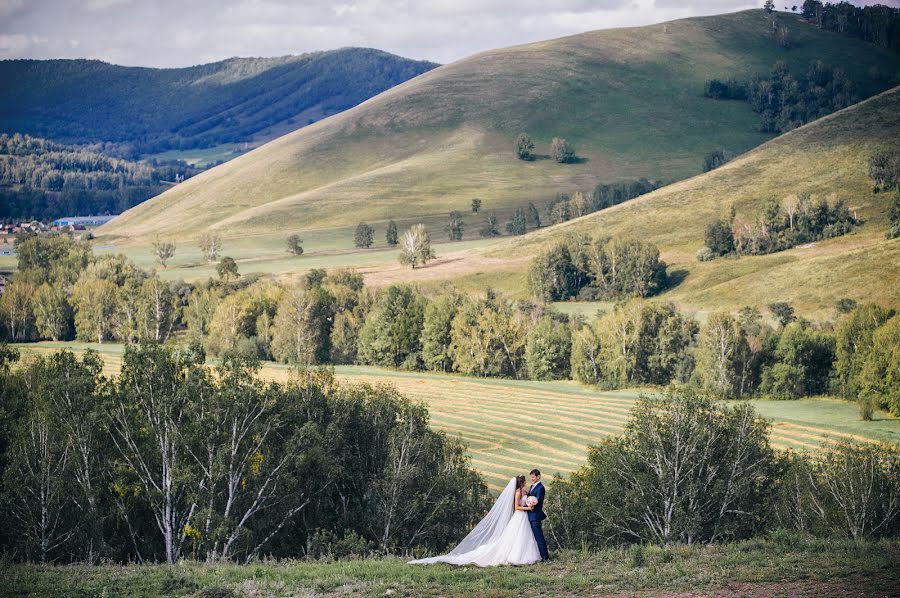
x=630, y=100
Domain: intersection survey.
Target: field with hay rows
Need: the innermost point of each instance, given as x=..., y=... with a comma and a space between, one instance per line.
x=512, y=426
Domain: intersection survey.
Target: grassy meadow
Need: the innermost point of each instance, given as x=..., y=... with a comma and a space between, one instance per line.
x=630, y=100
x=784, y=565
x=201, y=157
x=827, y=159
x=512, y=426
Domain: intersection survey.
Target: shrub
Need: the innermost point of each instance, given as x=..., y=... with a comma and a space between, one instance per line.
x=705, y=254
x=686, y=470
x=364, y=235
x=853, y=491
x=562, y=151
x=716, y=158
x=524, y=147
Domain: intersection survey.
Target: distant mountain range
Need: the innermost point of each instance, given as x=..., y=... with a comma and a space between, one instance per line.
x=147, y=110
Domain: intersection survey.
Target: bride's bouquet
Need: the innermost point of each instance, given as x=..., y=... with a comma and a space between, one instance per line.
x=530, y=501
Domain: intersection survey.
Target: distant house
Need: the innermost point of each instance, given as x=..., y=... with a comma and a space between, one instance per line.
x=83, y=221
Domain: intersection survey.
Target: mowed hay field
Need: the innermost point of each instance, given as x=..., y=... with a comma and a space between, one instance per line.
x=512, y=426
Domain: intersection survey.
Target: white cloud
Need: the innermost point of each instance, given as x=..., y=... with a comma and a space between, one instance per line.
x=104, y=4
x=16, y=45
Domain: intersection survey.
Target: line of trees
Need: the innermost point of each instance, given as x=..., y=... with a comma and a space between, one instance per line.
x=172, y=459
x=561, y=208
x=779, y=226
x=63, y=292
x=877, y=24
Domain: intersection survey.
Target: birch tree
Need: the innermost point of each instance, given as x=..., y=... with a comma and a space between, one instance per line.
x=246, y=451
x=148, y=413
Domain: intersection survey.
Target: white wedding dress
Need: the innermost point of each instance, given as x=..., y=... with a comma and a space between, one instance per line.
x=503, y=537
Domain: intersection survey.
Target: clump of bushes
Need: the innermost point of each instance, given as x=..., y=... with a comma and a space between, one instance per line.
x=689, y=470
x=779, y=226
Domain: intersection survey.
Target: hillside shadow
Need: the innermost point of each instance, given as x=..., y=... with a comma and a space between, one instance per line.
x=675, y=278
x=541, y=157
x=439, y=262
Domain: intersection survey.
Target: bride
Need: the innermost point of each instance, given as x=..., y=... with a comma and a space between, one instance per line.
x=503, y=537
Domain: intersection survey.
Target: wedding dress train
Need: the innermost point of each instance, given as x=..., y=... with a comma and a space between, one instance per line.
x=503, y=537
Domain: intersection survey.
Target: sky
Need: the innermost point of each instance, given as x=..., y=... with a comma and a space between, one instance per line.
x=172, y=33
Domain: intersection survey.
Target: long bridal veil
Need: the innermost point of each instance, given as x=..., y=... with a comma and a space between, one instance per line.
x=488, y=529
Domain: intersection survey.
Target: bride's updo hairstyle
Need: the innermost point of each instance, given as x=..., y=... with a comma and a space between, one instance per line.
x=520, y=481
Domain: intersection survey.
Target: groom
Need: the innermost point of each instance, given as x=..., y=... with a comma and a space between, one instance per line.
x=536, y=516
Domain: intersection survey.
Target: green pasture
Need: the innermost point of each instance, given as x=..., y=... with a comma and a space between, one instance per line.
x=267, y=254
x=512, y=426
x=201, y=157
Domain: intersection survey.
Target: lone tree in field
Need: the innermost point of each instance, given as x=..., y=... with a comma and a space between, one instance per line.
x=491, y=226
x=716, y=158
x=391, y=235
x=518, y=224
x=562, y=151
x=894, y=217
x=532, y=217
x=163, y=250
x=783, y=312
x=415, y=247
x=884, y=170
x=455, y=226
x=210, y=246
x=294, y=245
x=476, y=205
x=364, y=235
x=227, y=269
x=524, y=147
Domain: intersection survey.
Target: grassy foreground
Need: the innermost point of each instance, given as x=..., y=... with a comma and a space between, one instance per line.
x=784, y=566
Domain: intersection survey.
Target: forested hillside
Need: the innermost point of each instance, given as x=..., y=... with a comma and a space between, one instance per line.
x=146, y=110
x=41, y=179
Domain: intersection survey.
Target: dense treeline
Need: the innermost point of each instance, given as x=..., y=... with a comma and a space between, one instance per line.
x=41, y=179
x=689, y=470
x=779, y=226
x=63, y=292
x=785, y=101
x=877, y=24
x=597, y=269
x=564, y=207
x=171, y=459
x=152, y=110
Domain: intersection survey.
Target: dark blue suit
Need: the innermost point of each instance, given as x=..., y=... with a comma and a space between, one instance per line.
x=536, y=516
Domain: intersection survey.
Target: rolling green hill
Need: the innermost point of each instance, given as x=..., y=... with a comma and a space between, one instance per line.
x=827, y=159
x=149, y=110
x=630, y=100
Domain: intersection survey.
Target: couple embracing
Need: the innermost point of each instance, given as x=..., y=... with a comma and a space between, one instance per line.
x=511, y=532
